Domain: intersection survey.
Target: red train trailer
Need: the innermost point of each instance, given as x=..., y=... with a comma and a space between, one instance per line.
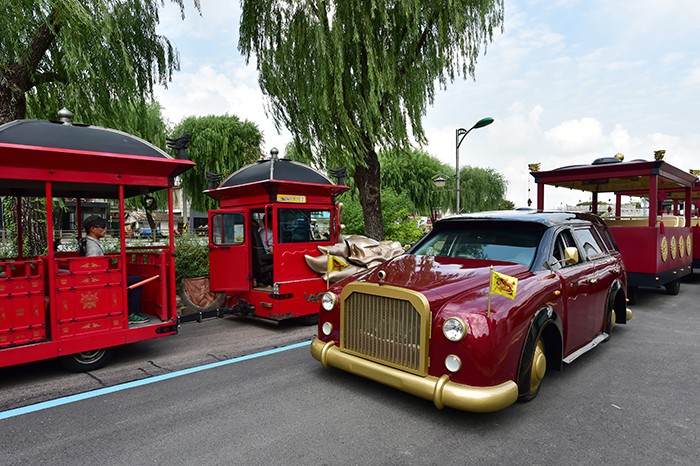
x=292, y=208
x=672, y=200
x=57, y=303
x=657, y=249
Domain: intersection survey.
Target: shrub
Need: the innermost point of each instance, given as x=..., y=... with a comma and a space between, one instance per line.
x=191, y=257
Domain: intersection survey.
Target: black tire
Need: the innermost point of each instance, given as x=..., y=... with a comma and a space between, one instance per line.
x=217, y=303
x=537, y=371
x=673, y=288
x=88, y=360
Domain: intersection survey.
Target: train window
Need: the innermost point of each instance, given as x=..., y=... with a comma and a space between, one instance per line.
x=227, y=229
x=304, y=225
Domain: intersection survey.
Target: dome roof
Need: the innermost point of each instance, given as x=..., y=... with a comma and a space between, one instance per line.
x=42, y=133
x=275, y=169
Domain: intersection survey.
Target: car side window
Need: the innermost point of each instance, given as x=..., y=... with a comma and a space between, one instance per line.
x=590, y=242
x=605, y=234
x=564, y=240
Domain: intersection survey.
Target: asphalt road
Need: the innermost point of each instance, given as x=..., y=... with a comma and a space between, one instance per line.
x=196, y=344
x=632, y=400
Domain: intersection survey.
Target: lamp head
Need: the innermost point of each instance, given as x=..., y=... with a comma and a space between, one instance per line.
x=439, y=181
x=483, y=122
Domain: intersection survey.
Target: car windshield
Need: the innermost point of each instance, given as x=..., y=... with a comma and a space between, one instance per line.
x=493, y=240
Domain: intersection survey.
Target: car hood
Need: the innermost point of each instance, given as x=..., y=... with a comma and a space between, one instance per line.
x=441, y=278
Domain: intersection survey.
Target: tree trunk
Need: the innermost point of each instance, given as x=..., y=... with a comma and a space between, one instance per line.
x=12, y=104
x=368, y=182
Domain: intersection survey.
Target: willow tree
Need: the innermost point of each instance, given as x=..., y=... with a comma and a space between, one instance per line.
x=411, y=172
x=350, y=77
x=88, y=53
x=219, y=145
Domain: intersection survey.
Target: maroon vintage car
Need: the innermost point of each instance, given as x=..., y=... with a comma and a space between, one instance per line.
x=475, y=313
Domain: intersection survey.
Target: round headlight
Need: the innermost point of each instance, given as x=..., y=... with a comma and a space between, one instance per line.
x=453, y=363
x=327, y=328
x=454, y=329
x=328, y=301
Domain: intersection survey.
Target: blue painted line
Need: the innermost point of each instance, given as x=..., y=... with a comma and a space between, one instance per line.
x=138, y=383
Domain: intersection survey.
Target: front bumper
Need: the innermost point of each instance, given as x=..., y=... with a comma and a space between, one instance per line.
x=441, y=391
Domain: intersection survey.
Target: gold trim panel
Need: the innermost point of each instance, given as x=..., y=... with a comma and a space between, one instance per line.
x=386, y=324
x=442, y=391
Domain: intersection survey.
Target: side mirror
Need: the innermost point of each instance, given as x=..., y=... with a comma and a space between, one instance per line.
x=571, y=255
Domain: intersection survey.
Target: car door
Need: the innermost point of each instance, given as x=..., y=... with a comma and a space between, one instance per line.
x=229, y=246
x=579, y=290
x=603, y=270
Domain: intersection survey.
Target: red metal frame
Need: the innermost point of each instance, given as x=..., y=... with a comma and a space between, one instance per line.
x=60, y=304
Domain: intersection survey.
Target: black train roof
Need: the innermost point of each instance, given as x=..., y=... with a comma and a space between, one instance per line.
x=275, y=169
x=42, y=133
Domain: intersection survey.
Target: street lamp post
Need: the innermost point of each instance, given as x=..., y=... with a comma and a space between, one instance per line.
x=459, y=137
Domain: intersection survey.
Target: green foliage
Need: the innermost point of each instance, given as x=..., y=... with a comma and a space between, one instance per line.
x=82, y=54
x=337, y=72
x=505, y=204
x=351, y=215
x=482, y=189
x=410, y=172
x=397, y=209
x=191, y=257
x=219, y=144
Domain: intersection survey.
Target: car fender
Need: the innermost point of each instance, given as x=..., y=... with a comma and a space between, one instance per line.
x=547, y=323
x=619, y=304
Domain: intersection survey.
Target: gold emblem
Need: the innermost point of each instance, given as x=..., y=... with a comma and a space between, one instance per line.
x=681, y=246
x=534, y=167
x=664, y=249
x=89, y=300
x=673, y=247
x=90, y=280
x=695, y=173
x=90, y=326
x=90, y=265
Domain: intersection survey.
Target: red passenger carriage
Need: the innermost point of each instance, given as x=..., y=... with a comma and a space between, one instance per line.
x=58, y=304
x=658, y=249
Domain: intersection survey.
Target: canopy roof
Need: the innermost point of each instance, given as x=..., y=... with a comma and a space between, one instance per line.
x=80, y=161
x=618, y=177
x=274, y=176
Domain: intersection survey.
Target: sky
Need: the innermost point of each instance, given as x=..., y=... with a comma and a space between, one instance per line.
x=566, y=82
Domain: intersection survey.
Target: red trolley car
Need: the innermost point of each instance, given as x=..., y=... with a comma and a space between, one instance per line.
x=658, y=249
x=58, y=304
x=292, y=208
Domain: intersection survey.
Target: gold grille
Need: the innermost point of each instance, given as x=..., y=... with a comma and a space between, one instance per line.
x=386, y=324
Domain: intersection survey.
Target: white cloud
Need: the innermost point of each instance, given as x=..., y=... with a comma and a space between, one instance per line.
x=576, y=135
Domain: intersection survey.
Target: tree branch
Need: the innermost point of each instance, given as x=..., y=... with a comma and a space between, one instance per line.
x=44, y=36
